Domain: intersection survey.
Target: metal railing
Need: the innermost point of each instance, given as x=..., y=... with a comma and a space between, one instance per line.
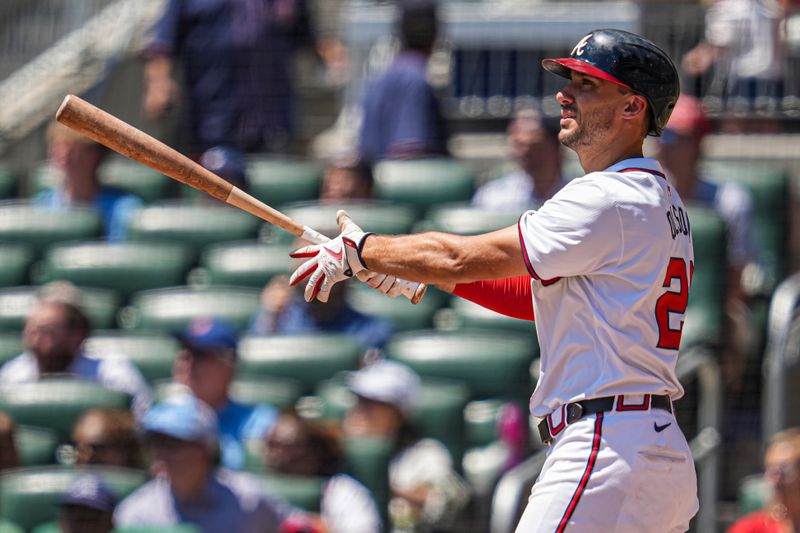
x=512, y=490
x=781, y=367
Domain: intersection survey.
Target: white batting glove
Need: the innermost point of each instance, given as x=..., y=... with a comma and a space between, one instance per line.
x=385, y=283
x=329, y=263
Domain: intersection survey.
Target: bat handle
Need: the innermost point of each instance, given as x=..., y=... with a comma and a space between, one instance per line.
x=412, y=290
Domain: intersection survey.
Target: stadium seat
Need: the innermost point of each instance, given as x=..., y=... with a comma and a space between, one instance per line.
x=247, y=263
x=469, y=315
x=57, y=403
x=308, y=358
x=280, y=181
x=31, y=496
x=424, y=182
x=438, y=413
x=16, y=303
x=368, y=461
x=11, y=345
x=35, y=445
x=493, y=364
x=153, y=353
x=172, y=308
x=125, y=267
x=8, y=183
x=769, y=186
x=304, y=492
x=753, y=494
x=705, y=312
x=466, y=220
x=196, y=226
x=40, y=227
x=403, y=314
x=279, y=392
x=376, y=216
x=17, y=258
x=179, y=528
x=128, y=175
x=9, y=527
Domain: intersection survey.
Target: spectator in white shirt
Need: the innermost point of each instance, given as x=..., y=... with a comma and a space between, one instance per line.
x=54, y=334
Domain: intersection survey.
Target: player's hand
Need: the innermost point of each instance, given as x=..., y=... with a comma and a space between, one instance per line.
x=385, y=283
x=329, y=263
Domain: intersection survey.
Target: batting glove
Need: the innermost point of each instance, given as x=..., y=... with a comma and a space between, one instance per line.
x=329, y=263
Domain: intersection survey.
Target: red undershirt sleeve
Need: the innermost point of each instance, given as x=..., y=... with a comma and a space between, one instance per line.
x=509, y=296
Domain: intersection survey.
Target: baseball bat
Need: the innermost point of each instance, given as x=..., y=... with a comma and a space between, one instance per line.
x=135, y=144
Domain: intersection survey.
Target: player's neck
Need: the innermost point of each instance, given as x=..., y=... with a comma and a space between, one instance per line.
x=597, y=161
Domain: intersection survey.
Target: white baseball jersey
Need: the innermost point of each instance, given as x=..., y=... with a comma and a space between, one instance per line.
x=611, y=260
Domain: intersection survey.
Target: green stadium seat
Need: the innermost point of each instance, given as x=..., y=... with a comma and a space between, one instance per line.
x=279, y=392
x=100, y=305
x=11, y=345
x=376, y=216
x=438, y=414
x=10, y=527
x=769, y=186
x=8, y=183
x=424, y=182
x=153, y=353
x=17, y=258
x=179, y=528
x=705, y=312
x=308, y=358
x=753, y=494
x=403, y=314
x=41, y=227
x=480, y=422
x=279, y=181
x=125, y=267
x=172, y=308
x=130, y=176
x=31, y=496
x=494, y=364
x=35, y=445
x=304, y=492
x=466, y=220
x=469, y=315
x=57, y=403
x=247, y=263
x=368, y=461
x=196, y=226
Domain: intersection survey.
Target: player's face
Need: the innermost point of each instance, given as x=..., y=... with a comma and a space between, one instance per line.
x=782, y=470
x=588, y=109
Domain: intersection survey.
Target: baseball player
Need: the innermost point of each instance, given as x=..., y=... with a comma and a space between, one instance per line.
x=605, y=267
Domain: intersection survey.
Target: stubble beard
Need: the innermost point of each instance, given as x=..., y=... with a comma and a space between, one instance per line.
x=589, y=130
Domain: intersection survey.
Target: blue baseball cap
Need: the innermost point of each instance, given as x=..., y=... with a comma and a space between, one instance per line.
x=183, y=417
x=209, y=335
x=90, y=491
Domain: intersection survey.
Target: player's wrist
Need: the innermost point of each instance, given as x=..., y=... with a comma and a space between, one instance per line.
x=360, y=248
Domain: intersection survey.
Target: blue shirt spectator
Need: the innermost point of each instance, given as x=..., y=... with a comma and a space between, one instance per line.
x=402, y=118
x=236, y=58
x=116, y=208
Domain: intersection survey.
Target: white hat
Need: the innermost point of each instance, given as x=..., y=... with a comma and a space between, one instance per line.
x=387, y=381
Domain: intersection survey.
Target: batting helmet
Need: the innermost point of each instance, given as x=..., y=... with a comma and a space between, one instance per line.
x=628, y=60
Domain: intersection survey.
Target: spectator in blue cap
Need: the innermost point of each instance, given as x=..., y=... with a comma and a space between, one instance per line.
x=206, y=365
x=181, y=434
x=87, y=507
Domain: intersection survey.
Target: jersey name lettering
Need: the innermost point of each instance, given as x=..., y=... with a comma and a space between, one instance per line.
x=678, y=221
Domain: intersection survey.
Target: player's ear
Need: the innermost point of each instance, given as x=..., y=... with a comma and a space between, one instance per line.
x=635, y=105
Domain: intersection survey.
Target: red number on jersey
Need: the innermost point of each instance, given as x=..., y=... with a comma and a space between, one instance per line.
x=673, y=302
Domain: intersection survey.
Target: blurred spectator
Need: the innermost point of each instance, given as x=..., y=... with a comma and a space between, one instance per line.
x=107, y=437
x=283, y=310
x=206, y=365
x=743, y=40
x=302, y=447
x=782, y=473
x=74, y=163
x=88, y=507
x=53, y=335
x=346, y=178
x=402, y=119
x=8, y=447
x=537, y=153
x=236, y=58
x=427, y=493
x=181, y=435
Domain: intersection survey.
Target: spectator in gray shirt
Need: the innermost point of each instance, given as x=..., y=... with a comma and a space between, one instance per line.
x=188, y=487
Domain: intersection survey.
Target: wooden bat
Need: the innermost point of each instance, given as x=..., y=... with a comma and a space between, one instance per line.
x=135, y=144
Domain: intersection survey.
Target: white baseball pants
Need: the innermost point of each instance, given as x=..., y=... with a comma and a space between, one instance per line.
x=615, y=472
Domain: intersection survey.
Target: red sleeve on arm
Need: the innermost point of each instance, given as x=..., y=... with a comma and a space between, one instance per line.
x=509, y=296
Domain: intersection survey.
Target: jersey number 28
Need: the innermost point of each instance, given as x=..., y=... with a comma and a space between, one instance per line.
x=673, y=302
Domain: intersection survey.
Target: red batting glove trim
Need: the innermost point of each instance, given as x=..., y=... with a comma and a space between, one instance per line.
x=298, y=255
x=304, y=275
x=510, y=296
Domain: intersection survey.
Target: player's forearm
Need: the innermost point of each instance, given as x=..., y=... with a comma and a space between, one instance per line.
x=433, y=258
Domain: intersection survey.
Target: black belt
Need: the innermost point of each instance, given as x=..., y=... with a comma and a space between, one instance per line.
x=572, y=412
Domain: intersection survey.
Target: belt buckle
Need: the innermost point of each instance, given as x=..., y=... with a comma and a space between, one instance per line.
x=574, y=412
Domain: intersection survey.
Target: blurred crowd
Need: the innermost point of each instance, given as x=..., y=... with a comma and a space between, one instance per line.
x=221, y=464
